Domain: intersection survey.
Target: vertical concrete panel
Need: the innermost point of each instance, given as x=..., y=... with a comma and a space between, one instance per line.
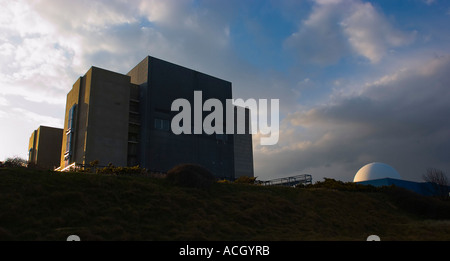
x=139, y=76
x=83, y=111
x=45, y=147
x=243, y=155
x=49, y=147
x=243, y=148
x=32, y=148
x=107, y=128
x=72, y=99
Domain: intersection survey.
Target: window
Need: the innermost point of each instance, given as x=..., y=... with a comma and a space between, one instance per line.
x=70, y=133
x=69, y=143
x=71, y=120
x=30, y=155
x=162, y=124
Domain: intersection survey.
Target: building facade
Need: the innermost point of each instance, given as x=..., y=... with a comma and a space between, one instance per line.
x=126, y=120
x=96, y=117
x=44, y=148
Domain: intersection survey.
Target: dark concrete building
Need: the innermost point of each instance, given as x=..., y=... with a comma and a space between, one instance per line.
x=44, y=147
x=126, y=120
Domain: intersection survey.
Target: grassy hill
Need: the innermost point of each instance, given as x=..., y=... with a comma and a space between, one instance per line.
x=45, y=205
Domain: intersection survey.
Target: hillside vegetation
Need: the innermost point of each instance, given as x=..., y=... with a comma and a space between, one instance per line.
x=46, y=205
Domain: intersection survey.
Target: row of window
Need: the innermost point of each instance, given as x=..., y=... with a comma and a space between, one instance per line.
x=70, y=133
x=159, y=124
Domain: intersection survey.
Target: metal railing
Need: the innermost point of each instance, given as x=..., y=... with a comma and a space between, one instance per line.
x=292, y=181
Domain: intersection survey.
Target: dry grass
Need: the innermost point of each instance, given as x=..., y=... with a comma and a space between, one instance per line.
x=43, y=205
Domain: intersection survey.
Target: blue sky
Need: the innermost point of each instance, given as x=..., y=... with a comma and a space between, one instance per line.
x=358, y=81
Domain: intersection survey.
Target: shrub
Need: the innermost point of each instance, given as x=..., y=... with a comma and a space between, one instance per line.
x=342, y=186
x=190, y=175
x=15, y=162
x=245, y=180
x=111, y=169
x=423, y=206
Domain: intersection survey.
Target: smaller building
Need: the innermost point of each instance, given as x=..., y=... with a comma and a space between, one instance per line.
x=44, y=148
x=423, y=188
x=379, y=174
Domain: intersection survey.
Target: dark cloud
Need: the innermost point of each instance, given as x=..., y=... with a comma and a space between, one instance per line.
x=401, y=120
x=336, y=29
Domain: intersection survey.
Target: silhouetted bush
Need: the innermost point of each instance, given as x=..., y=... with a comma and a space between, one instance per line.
x=14, y=162
x=245, y=180
x=111, y=169
x=190, y=175
x=423, y=206
x=439, y=183
x=342, y=186
x=409, y=201
x=224, y=181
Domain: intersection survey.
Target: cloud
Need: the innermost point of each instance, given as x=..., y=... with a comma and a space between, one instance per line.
x=338, y=28
x=400, y=119
x=319, y=38
x=46, y=45
x=36, y=118
x=3, y=101
x=33, y=63
x=429, y=2
x=370, y=34
x=83, y=14
x=17, y=125
x=49, y=44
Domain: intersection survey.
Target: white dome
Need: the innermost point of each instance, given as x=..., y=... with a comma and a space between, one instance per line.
x=376, y=170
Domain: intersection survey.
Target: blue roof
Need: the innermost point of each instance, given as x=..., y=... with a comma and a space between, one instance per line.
x=424, y=188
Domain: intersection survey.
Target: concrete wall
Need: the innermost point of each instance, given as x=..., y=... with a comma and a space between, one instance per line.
x=107, y=127
x=48, y=150
x=72, y=98
x=32, y=147
x=45, y=147
x=82, y=117
x=243, y=147
x=134, y=127
x=101, y=122
x=139, y=74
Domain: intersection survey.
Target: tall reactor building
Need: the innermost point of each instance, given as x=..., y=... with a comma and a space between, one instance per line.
x=126, y=120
